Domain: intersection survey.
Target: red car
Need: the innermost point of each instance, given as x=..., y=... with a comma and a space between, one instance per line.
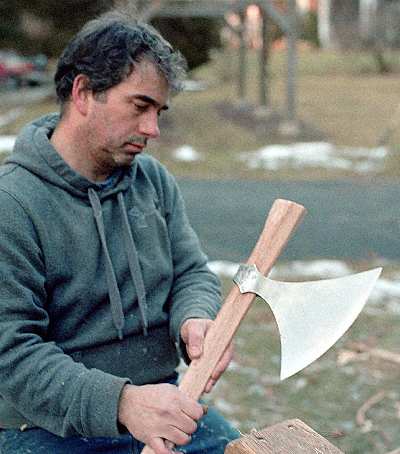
x=16, y=70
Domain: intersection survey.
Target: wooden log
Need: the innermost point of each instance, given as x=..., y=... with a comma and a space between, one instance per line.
x=288, y=437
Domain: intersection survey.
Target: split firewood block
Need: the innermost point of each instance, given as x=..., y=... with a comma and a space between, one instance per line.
x=288, y=437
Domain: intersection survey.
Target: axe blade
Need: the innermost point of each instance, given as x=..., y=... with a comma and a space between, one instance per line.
x=311, y=316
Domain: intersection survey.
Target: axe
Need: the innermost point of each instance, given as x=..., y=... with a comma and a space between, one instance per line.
x=311, y=316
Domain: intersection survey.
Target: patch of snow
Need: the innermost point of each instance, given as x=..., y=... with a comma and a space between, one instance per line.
x=249, y=371
x=224, y=406
x=306, y=269
x=385, y=288
x=385, y=295
x=186, y=153
x=315, y=154
x=393, y=307
x=194, y=85
x=7, y=143
x=388, y=287
x=295, y=269
x=300, y=383
x=223, y=268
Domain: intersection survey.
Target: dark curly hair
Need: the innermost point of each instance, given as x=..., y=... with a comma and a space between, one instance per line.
x=106, y=51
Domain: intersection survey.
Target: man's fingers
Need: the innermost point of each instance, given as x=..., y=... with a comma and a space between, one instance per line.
x=177, y=436
x=223, y=363
x=185, y=423
x=209, y=386
x=193, y=410
x=154, y=413
x=170, y=437
x=219, y=369
x=193, y=335
x=196, y=340
x=159, y=446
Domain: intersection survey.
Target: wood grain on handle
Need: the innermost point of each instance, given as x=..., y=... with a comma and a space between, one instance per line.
x=281, y=222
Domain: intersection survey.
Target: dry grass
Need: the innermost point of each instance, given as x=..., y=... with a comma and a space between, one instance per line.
x=340, y=97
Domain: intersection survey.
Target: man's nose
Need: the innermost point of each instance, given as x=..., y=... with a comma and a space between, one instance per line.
x=149, y=125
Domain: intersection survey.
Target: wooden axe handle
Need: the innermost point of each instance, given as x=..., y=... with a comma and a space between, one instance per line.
x=281, y=222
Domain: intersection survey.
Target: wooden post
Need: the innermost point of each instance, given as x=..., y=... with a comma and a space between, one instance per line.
x=292, y=62
x=242, y=57
x=324, y=24
x=288, y=437
x=290, y=125
x=263, y=59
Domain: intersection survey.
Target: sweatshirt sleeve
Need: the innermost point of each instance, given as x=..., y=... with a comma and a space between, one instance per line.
x=196, y=290
x=37, y=378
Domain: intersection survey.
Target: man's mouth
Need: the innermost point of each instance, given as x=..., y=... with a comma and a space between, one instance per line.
x=135, y=145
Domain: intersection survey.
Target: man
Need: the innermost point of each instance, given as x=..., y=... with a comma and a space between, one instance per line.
x=103, y=282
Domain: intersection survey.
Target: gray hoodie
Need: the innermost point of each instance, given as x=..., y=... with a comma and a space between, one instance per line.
x=96, y=281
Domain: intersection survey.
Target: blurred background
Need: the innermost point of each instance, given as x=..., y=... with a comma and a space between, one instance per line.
x=285, y=98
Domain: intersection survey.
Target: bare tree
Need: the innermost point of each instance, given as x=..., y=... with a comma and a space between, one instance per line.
x=378, y=46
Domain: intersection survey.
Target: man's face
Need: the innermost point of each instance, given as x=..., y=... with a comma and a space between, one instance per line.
x=120, y=121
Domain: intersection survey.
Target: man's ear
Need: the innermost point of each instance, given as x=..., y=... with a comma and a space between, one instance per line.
x=81, y=93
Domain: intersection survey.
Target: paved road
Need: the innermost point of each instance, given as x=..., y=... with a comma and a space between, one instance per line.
x=345, y=220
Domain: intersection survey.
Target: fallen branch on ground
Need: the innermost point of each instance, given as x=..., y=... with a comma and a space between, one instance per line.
x=361, y=419
x=360, y=351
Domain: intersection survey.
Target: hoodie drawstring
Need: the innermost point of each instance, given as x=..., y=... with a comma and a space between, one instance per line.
x=113, y=291
x=134, y=267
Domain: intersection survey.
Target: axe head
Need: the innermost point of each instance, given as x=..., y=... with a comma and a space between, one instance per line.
x=311, y=316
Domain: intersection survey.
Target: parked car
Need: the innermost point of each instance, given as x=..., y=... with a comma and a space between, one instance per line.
x=18, y=71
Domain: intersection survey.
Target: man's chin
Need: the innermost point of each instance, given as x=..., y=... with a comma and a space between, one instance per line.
x=127, y=160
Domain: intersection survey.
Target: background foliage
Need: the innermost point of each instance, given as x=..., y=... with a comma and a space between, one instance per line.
x=193, y=36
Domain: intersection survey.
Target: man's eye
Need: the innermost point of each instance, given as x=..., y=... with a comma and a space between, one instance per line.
x=141, y=107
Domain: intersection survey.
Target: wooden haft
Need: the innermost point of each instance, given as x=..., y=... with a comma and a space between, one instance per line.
x=288, y=437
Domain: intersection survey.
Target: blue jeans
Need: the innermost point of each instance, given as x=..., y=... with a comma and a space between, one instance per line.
x=211, y=437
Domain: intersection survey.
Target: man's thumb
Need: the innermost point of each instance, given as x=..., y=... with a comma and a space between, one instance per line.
x=196, y=340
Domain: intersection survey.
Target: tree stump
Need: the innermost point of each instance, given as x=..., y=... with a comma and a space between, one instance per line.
x=288, y=437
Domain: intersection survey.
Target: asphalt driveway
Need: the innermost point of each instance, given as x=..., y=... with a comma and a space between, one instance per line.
x=345, y=220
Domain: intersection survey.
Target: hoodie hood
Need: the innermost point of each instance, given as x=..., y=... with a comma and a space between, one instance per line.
x=34, y=151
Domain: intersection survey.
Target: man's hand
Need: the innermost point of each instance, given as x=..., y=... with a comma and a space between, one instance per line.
x=193, y=333
x=155, y=413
